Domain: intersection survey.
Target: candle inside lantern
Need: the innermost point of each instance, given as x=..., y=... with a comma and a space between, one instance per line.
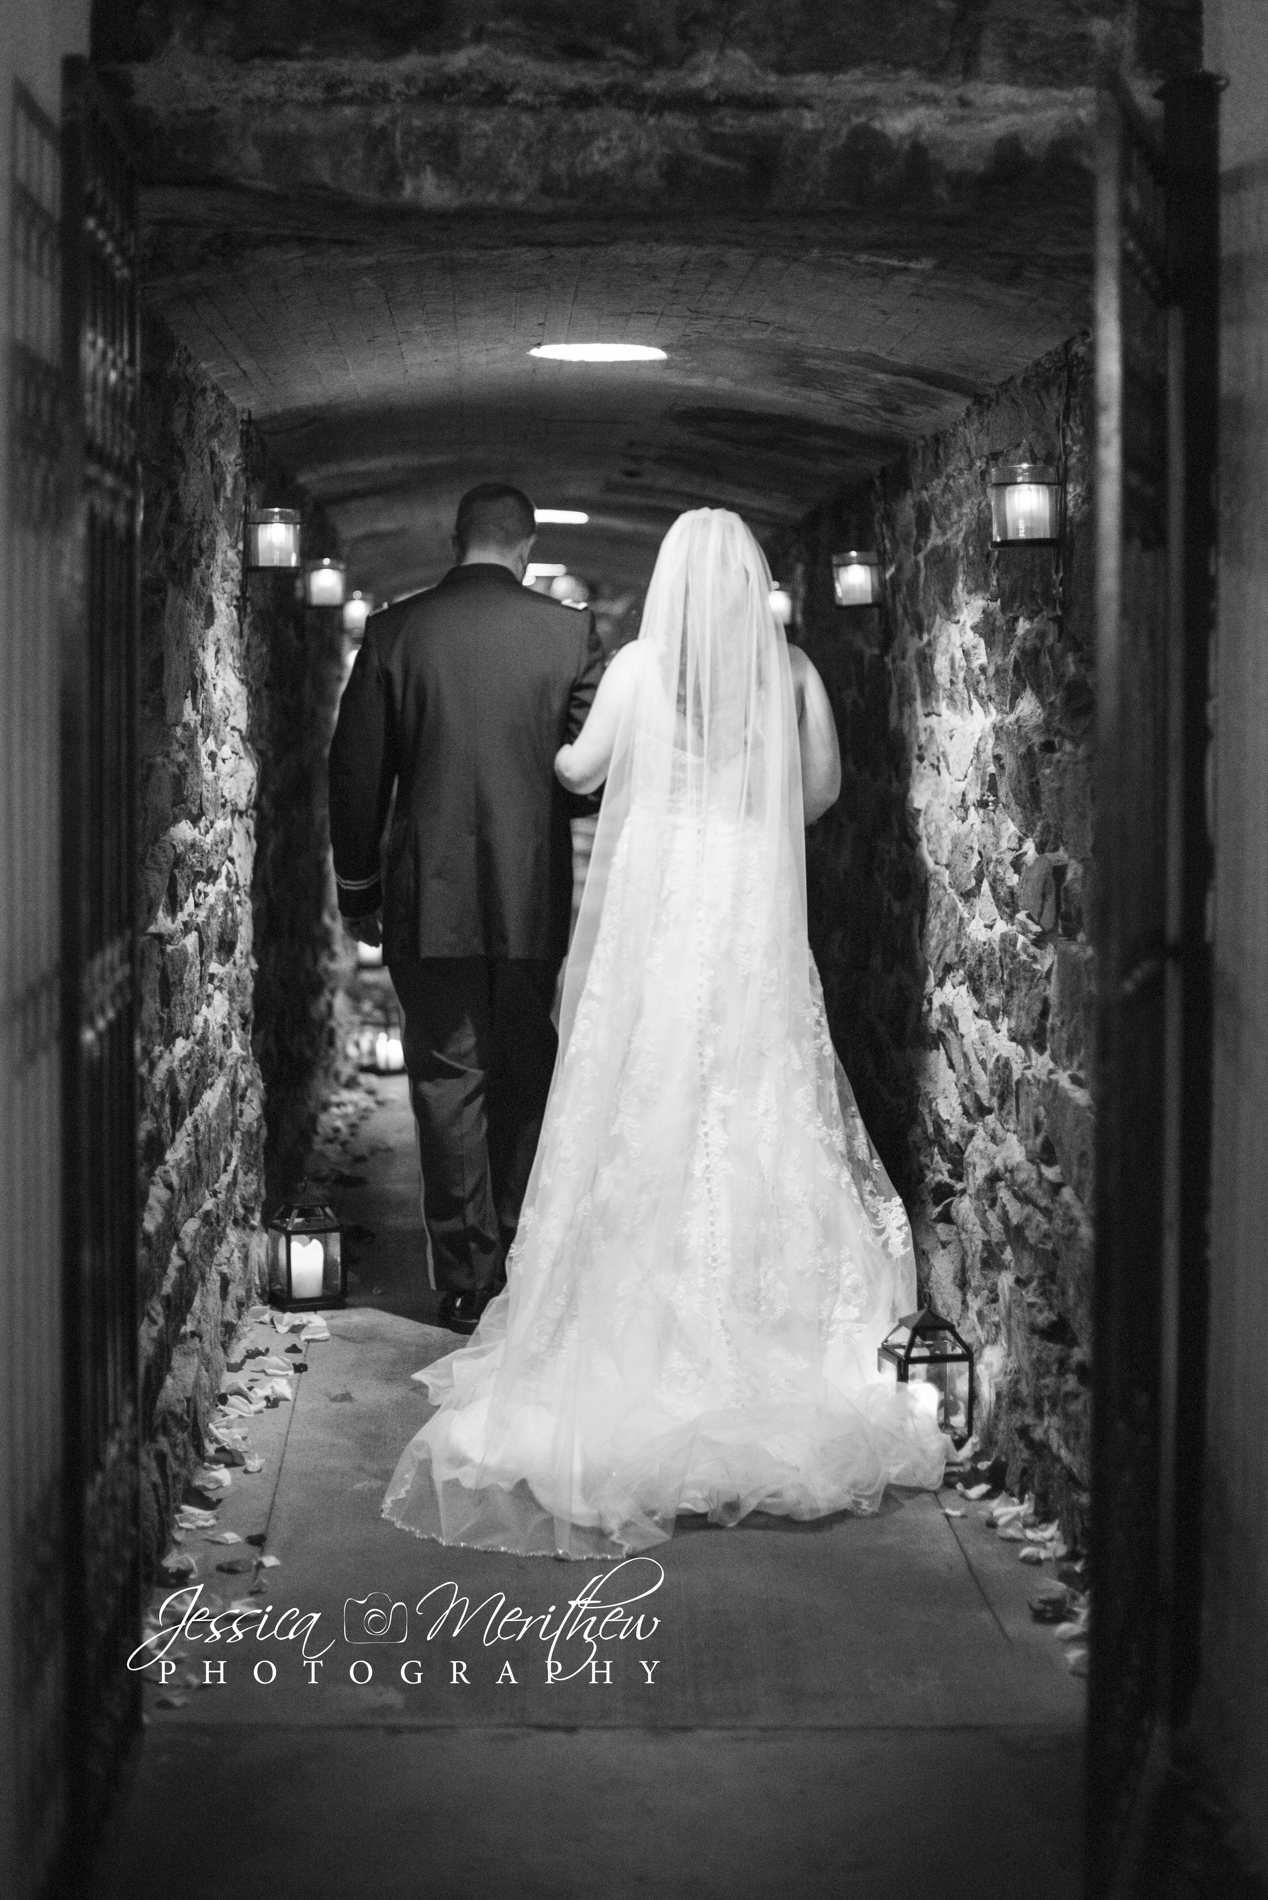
x=308, y=1260
x=1027, y=514
x=926, y=1395
x=273, y=538
x=356, y=611
x=856, y=579
x=1025, y=504
x=325, y=584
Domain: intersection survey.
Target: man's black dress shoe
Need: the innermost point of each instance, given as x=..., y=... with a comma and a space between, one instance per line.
x=460, y=1312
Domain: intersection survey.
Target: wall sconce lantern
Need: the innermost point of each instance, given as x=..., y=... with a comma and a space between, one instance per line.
x=856, y=579
x=356, y=611
x=1025, y=504
x=305, y=1263
x=272, y=538
x=568, y=590
x=924, y=1346
x=781, y=605
x=324, y=583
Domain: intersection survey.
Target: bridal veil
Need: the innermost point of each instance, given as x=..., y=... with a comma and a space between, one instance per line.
x=710, y=1251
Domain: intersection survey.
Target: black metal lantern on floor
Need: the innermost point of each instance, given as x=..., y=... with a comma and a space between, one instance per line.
x=305, y=1258
x=924, y=1346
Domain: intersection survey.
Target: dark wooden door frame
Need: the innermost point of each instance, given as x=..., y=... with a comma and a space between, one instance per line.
x=1191, y=153
x=1156, y=296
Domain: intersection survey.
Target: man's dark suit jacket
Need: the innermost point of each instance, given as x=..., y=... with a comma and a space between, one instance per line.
x=461, y=697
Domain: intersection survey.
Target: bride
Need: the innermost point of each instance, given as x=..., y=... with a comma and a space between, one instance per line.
x=710, y=1250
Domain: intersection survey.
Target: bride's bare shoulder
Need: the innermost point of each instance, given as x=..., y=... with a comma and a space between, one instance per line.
x=803, y=671
x=630, y=655
x=627, y=664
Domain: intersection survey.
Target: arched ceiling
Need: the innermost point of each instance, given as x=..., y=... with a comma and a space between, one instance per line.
x=389, y=381
x=363, y=250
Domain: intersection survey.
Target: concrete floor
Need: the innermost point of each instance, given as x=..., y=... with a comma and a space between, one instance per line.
x=860, y=1706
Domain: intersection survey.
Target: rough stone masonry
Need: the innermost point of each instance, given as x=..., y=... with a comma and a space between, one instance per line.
x=951, y=894
x=235, y=909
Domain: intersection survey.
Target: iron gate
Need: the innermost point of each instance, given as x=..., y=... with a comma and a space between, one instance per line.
x=30, y=1074
x=99, y=699
x=1155, y=362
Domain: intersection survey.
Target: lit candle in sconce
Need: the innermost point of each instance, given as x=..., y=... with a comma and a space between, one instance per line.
x=272, y=538
x=856, y=579
x=356, y=611
x=1025, y=504
x=308, y=1258
x=326, y=580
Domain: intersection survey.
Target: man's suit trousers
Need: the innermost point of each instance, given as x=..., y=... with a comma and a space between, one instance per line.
x=480, y=1051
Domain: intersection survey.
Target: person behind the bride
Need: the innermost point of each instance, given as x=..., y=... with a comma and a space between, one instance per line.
x=709, y=1251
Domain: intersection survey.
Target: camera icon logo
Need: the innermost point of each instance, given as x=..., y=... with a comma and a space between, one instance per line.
x=374, y=1619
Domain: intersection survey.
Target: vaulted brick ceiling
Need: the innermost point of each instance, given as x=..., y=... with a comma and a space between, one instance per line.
x=362, y=246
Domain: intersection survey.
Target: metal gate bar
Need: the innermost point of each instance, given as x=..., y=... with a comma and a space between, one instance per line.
x=99, y=751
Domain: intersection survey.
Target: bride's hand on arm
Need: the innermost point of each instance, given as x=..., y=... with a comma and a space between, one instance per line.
x=817, y=733
x=583, y=765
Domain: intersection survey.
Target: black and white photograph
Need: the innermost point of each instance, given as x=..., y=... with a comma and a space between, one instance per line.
x=633, y=950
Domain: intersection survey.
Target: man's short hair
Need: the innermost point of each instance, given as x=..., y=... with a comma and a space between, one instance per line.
x=494, y=515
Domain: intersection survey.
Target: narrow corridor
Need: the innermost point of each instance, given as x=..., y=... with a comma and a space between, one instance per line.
x=959, y=309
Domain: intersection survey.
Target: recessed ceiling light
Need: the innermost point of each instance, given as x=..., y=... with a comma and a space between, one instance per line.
x=599, y=352
x=560, y=517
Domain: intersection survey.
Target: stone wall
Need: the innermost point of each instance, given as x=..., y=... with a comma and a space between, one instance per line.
x=230, y=1061
x=950, y=890
x=990, y=38
x=303, y=957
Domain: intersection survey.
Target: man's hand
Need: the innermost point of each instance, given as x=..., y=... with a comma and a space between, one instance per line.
x=367, y=929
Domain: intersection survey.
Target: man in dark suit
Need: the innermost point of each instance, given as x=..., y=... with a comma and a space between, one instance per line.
x=458, y=702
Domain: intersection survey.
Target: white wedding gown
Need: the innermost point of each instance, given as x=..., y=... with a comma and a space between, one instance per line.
x=710, y=1250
